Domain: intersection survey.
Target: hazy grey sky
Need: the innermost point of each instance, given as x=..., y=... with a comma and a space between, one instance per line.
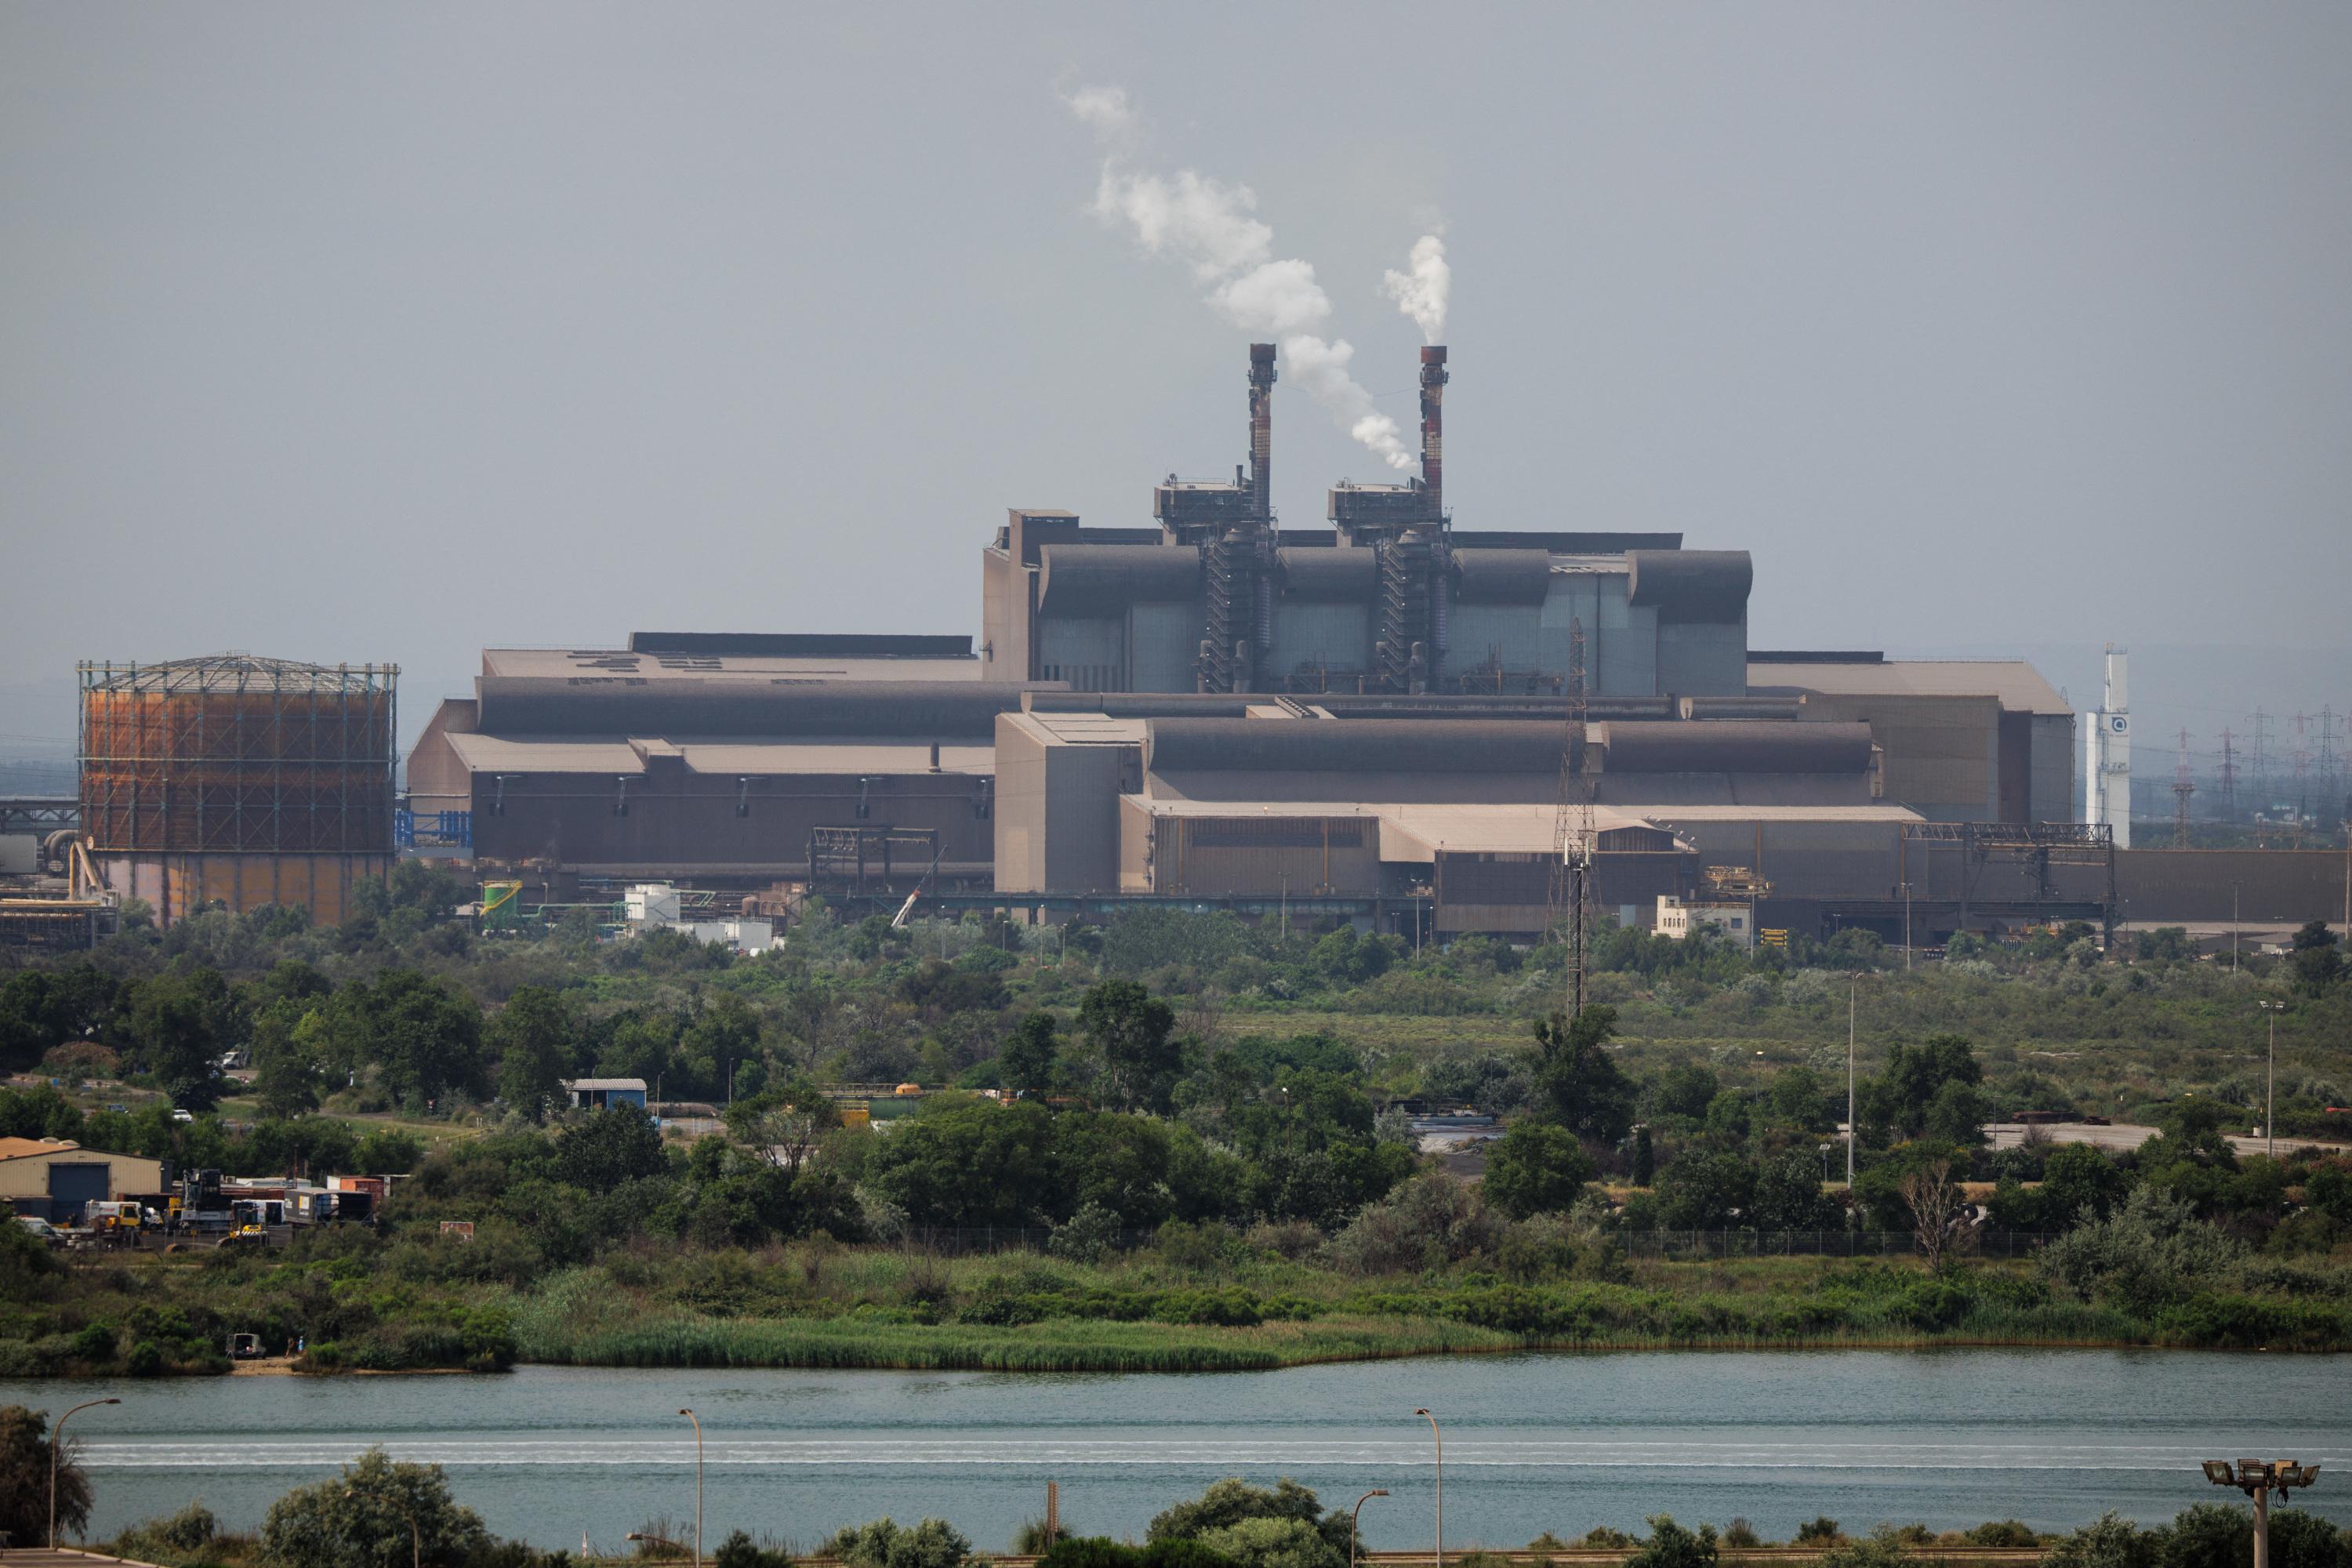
x=345, y=333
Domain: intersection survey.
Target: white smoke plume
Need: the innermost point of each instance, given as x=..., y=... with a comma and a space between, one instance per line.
x=1213, y=228
x=1105, y=111
x=1422, y=292
x=1277, y=298
x=1322, y=369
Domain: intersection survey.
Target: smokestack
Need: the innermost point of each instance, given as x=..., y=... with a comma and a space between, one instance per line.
x=1261, y=399
x=1432, y=426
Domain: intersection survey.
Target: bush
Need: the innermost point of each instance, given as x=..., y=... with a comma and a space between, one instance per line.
x=2003, y=1533
x=885, y=1544
x=1669, y=1545
x=1822, y=1531
x=2111, y=1542
x=361, y=1519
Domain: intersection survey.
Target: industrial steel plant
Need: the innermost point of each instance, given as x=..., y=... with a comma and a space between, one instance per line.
x=1388, y=718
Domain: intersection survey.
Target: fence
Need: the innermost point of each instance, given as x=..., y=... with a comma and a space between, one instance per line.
x=1687, y=1244
x=1703, y=1244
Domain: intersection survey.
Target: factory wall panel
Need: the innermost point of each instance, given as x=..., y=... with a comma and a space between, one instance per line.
x=1311, y=637
x=704, y=820
x=1163, y=650
x=1510, y=635
x=2054, y=798
x=2276, y=887
x=1020, y=806
x=1703, y=659
x=1091, y=654
x=1081, y=816
x=1941, y=753
x=1802, y=859
x=1216, y=856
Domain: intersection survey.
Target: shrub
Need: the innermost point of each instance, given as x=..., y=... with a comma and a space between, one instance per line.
x=2003, y=1533
x=1669, y=1545
x=885, y=1544
x=1822, y=1531
x=2111, y=1541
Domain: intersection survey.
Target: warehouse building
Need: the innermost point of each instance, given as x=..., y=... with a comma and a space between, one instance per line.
x=54, y=1179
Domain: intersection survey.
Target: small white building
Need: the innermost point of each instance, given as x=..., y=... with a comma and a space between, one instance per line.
x=659, y=906
x=1677, y=918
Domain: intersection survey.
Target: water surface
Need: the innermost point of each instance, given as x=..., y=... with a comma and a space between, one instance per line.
x=1559, y=1442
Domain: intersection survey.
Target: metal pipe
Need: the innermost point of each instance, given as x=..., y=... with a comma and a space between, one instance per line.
x=56, y=1448
x=1439, y=1437
x=2270, y=1081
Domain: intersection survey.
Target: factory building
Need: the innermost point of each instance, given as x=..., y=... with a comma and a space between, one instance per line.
x=56, y=1179
x=1215, y=707
x=735, y=760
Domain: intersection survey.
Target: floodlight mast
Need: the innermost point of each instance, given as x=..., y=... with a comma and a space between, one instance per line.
x=2258, y=1479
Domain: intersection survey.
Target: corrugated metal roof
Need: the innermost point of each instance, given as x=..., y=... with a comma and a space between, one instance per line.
x=26, y=1148
x=500, y=754
x=1085, y=728
x=494, y=755
x=546, y=663
x=2017, y=684
x=1888, y=814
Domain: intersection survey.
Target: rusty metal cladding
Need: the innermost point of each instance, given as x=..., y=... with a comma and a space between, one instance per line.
x=1261, y=407
x=235, y=754
x=1434, y=378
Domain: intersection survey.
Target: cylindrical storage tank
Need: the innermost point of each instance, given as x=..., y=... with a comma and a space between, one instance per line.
x=237, y=755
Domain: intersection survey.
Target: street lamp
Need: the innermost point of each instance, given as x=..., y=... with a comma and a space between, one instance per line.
x=415, y=1539
x=58, y=1446
x=1434, y=1432
x=2270, y=1081
x=2258, y=1479
x=697, y=1484
x=1825, y=1165
x=1353, y=1514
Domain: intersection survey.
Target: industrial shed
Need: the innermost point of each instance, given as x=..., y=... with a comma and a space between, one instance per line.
x=54, y=1179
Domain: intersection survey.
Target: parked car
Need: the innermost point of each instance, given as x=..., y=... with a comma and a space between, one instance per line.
x=42, y=1229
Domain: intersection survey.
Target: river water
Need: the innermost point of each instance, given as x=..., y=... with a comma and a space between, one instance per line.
x=1559, y=1442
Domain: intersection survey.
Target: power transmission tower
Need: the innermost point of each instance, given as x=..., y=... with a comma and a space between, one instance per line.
x=2229, y=778
x=2302, y=768
x=2261, y=764
x=2326, y=756
x=2182, y=788
x=1572, y=819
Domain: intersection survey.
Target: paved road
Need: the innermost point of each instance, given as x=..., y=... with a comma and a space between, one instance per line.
x=2127, y=1135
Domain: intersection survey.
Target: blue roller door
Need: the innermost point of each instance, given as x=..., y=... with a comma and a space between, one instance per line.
x=71, y=1187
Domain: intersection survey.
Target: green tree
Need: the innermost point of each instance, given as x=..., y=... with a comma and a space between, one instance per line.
x=1231, y=1503
x=181, y=1024
x=424, y=1039
x=2317, y=963
x=606, y=1148
x=1895, y=1104
x=1706, y=1191
x=27, y=1451
x=1028, y=1056
x=885, y=1544
x=1117, y=1163
x=2110, y=1541
x=288, y=1072
x=1645, y=1156
x=1685, y=1089
x=535, y=1039
x=1582, y=1087
x=1128, y=1029
x=966, y=1163
x=1537, y=1168
x=362, y=1519
x=1798, y=1098
x=1789, y=1194
x=1669, y=1545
